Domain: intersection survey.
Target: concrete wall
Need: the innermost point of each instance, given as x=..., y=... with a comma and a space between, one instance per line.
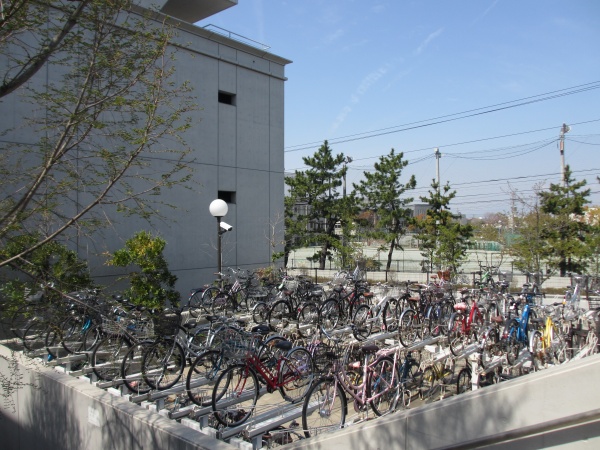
x=56, y=411
x=558, y=408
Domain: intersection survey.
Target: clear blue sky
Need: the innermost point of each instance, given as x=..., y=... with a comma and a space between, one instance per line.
x=374, y=75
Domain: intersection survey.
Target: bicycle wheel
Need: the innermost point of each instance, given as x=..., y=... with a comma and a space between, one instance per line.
x=223, y=304
x=408, y=328
x=200, y=381
x=309, y=314
x=382, y=386
x=235, y=395
x=73, y=331
x=260, y=313
x=108, y=355
x=429, y=383
x=34, y=334
x=162, y=364
x=362, y=323
x=536, y=348
x=296, y=374
x=463, y=381
x=208, y=296
x=324, y=409
x=512, y=345
x=329, y=314
x=390, y=315
x=456, y=335
x=490, y=348
x=131, y=368
x=279, y=315
x=196, y=303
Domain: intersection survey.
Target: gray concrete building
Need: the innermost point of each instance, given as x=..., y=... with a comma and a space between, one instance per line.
x=237, y=135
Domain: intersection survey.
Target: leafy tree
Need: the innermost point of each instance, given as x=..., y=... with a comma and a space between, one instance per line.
x=153, y=284
x=319, y=188
x=52, y=263
x=110, y=109
x=443, y=239
x=528, y=246
x=567, y=230
x=382, y=193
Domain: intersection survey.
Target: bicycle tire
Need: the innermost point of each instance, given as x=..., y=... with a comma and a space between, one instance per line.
x=363, y=326
x=390, y=315
x=463, y=381
x=34, y=334
x=279, y=315
x=325, y=408
x=108, y=355
x=536, y=348
x=131, y=368
x=309, y=314
x=296, y=374
x=456, y=334
x=382, y=381
x=201, y=377
x=195, y=303
x=260, y=313
x=429, y=383
x=511, y=343
x=235, y=395
x=163, y=364
x=408, y=332
x=329, y=314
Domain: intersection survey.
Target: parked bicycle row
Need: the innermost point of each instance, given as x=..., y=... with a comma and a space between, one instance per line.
x=382, y=347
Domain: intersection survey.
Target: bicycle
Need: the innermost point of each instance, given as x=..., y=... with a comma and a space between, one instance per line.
x=374, y=382
x=237, y=389
x=342, y=303
x=515, y=335
x=548, y=344
x=384, y=314
x=464, y=325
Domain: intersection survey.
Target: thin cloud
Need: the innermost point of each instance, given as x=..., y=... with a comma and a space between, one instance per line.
x=332, y=37
x=364, y=86
x=485, y=12
x=427, y=41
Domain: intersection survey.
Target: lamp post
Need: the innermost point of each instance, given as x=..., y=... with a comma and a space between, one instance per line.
x=218, y=208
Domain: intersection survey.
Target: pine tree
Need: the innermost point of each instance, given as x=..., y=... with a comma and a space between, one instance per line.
x=567, y=231
x=319, y=188
x=382, y=193
x=443, y=239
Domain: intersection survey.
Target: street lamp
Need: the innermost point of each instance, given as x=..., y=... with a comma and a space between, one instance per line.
x=218, y=208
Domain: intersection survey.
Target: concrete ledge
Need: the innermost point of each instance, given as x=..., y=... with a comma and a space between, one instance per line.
x=57, y=411
x=557, y=407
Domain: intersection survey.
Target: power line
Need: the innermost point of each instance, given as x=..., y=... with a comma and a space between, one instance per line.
x=452, y=117
x=474, y=141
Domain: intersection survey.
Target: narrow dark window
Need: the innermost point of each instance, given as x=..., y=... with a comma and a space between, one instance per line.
x=226, y=98
x=227, y=196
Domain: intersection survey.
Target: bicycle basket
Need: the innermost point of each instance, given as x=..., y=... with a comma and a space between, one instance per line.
x=167, y=324
x=325, y=356
x=236, y=345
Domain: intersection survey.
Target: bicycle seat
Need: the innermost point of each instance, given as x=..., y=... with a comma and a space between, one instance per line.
x=283, y=345
x=462, y=307
x=261, y=329
x=371, y=348
x=189, y=325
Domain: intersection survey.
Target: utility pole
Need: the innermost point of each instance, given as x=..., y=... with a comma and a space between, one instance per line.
x=438, y=155
x=347, y=160
x=563, y=130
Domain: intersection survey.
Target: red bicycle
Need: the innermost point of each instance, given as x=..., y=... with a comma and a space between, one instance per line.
x=464, y=325
x=237, y=389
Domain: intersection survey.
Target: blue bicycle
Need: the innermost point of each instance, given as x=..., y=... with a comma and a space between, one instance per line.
x=515, y=335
